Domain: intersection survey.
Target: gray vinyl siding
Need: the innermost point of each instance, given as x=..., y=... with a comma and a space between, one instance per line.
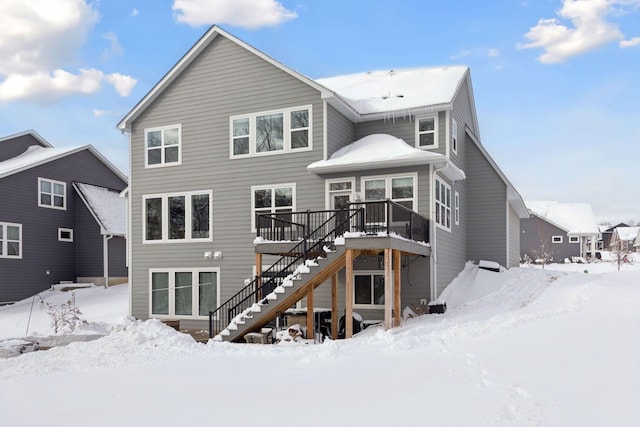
x=340, y=131
x=41, y=250
x=118, y=257
x=88, y=242
x=514, y=238
x=224, y=80
x=16, y=146
x=536, y=232
x=462, y=113
x=403, y=128
x=486, y=208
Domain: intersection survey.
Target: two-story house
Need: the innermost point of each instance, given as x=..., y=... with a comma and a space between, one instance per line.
x=61, y=217
x=233, y=153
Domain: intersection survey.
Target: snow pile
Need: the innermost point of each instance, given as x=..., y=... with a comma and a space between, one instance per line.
x=34, y=155
x=108, y=206
x=575, y=218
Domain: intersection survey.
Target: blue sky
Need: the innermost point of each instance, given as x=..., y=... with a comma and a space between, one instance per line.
x=556, y=82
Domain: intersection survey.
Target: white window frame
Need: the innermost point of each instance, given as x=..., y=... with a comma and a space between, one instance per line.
x=435, y=132
x=388, y=189
x=454, y=135
x=65, y=230
x=165, y=217
x=456, y=206
x=442, y=223
x=52, y=182
x=574, y=239
x=162, y=147
x=370, y=273
x=5, y=240
x=194, y=291
x=556, y=239
x=286, y=112
x=273, y=208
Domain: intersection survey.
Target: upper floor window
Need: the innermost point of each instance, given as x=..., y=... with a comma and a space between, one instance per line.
x=52, y=194
x=454, y=135
x=427, y=132
x=10, y=240
x=443, y=204
x=178, y=217
x=401, y=189
x=272, y=199
x=271, y=132
x=163, y=146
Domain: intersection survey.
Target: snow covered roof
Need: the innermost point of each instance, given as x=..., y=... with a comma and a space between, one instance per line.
x=106, y=206
x=401, y=91
x=31, y=132
x=627, y=233
x=383, y=151
x=37, y=155
x=575, y=218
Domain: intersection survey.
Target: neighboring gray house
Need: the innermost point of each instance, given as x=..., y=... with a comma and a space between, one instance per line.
x=563, y=230
x=605, y=235
x=52, y=225
x=624, y=239
x=231, y=145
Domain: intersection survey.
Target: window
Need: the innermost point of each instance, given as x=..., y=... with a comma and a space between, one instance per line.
x=10, y=240
x=163, y=146
x=556, y=239
x=443, y=204
x=272, y=199
x=184, y=293
x=401, y=189
x=574, y=239
x=271, y=132
x=65, y=234
x=427, y=132
x=368, y=288
x=454, y=135
x=456, y=206
x=52, y=194
x=177, y=217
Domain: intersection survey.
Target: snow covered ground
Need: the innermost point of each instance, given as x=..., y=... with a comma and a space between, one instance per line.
x=527, y=347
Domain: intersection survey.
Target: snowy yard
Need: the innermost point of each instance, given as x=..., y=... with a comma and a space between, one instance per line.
x=527, y=347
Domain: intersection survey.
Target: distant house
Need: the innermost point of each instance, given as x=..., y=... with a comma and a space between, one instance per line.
x=624, y=238
x=605, y=235
x=563, y=230
x=61, y=219
x=636, y=244
x=235, y=156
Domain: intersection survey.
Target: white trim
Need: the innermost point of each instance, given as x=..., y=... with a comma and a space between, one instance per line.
x=456, y=207
x=433, y=289
x=388, y=186
x=434, y=116
x=171, y=289
x=328, y=193
x=286, y=132
x=556, y=239
x=325, y=126
x=447, y=149
x=5, y=240
x=162, y=147
x=574, y=239
x=52, y=182
x=454, y=135
x=65, y=230
x=165, y=218
x=270, y=187
x=437, y=203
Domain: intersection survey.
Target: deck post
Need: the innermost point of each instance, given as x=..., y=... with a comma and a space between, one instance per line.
x=396, y=287
x=334, y=307
x=348, y=298
x=388, y=288
x=310, y=326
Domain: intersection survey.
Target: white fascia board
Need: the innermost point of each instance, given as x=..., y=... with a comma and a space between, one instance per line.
x=31, y=132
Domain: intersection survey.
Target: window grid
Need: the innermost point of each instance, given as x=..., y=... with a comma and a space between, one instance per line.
x=180, y=217
x=443, y=204
x=163, y=146
x=10, y=240
x=279, y=198
x=52, y=194
x=183, y=293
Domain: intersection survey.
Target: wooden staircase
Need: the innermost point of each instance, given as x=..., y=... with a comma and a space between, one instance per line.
x=307, y=276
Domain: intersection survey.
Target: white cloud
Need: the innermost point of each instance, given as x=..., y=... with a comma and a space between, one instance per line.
x=123, y=84
x=134, y=12
x=629, y=43
x=100, y=113
x=493, y=53
x=590, y=29
x=115, y=49
x=249, y=14
x=38, y=39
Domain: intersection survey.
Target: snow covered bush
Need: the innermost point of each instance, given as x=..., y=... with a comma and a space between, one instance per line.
x=64, y=317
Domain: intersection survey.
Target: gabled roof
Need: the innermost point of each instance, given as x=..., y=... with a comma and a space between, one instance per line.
x=574, y=218
x=183, y=63
x=31, y=132
x=626, y=233
x=107, y=207
x=381, y=150
x=37, y=155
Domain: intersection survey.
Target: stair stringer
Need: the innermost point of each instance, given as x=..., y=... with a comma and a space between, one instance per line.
x=319, y=271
